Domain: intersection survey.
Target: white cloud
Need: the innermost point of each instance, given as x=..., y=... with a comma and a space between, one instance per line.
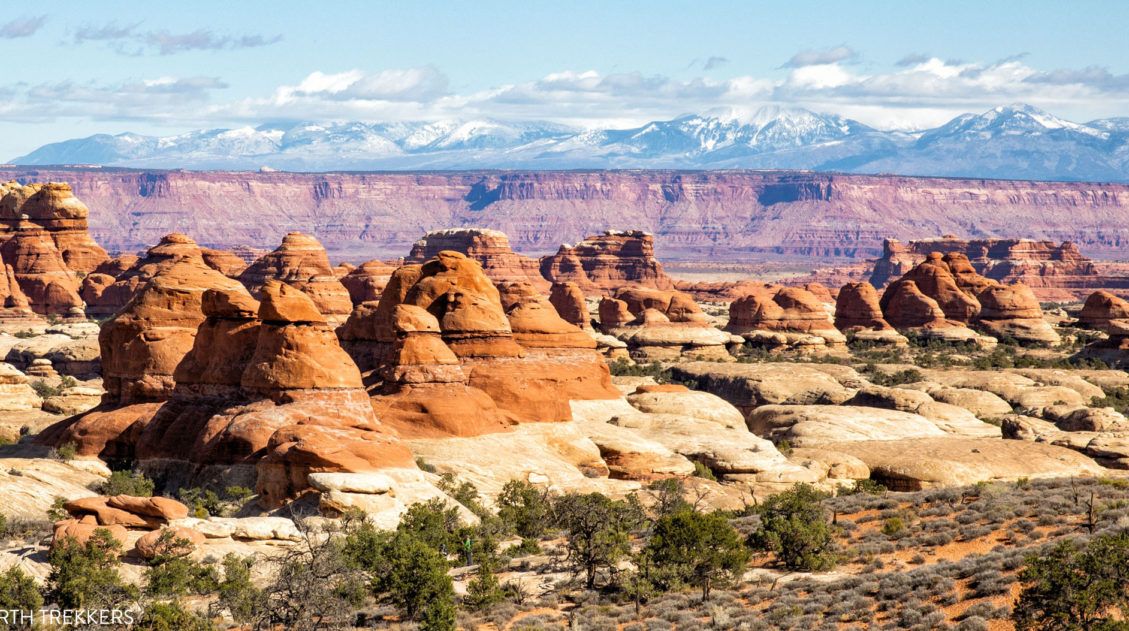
x=917, y=92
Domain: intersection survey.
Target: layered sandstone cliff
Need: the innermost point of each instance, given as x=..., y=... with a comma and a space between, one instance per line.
x=692, y=214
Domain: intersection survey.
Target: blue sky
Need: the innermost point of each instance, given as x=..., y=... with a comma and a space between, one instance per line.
x=162, y=68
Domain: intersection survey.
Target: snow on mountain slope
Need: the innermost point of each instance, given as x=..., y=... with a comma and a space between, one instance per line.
x=1014, y=141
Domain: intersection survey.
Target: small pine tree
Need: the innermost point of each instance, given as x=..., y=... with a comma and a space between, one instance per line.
x=523, y=508
x=415, y=578
x=18, y=591
x=703, y=548
x=484, y=590
x=85, y=575
x=794, y=525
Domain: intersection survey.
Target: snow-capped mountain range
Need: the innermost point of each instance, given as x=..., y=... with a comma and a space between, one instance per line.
x=1015, y=141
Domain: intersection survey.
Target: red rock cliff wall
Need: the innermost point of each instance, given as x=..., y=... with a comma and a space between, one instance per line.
x=696, y=215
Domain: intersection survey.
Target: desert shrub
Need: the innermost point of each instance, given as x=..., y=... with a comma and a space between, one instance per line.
x=702, y=471
x=44, y=389
x=668, y=495
x=173, y=573
x=702, y=549
x=1075, y=586
x=64, y=452
x=237, y=594
x=597, y=531
x=893, y=526
x=127, y=483
x=207, y=502
x=464, y=493
x=18, y=592
x=523, y=508
x=314, y=584
x=484, y=590
x=622, y=367
x=909, y=375
x=85, y=575
x=794, y=525
x=171, y=616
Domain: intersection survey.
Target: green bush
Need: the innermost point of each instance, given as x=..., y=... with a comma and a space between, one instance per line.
x=703, y=549
x=622, y=367
x=909, y=375
x=1076, y=586
x=66, y=451
x=206, y=502
x=44, y=389
x=85, y=575
x=668, y=495
x=18, y=592
x=127, y=483
x=465, y=494
x=704, y=472
x=523, y=508
x=795, y=527
x=173, y=573
x=484, y=591
x=415, y=580
x=434, y=524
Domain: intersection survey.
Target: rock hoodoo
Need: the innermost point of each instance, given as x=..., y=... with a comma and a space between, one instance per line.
x=858, y=314
x=301, y=262
x=490, y=248
x=366, y=281
x=568, y=299
x=788, y=316
x=526, y=361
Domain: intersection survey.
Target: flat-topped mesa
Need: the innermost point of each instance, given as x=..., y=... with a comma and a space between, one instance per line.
x=107, y=293
x=38, y=267
x=568, y=299
x=301, y=262
x=1044, y=266
x=53, y=207
x=789, y=316
x=675, y=305
x=490, y=248
x=603, y=263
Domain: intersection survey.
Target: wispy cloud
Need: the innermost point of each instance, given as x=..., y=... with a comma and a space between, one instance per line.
x=838, y=54
x=714, y=62
x=106, y=32
x=167, y=43
x=22, y=27
x=130, y=40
